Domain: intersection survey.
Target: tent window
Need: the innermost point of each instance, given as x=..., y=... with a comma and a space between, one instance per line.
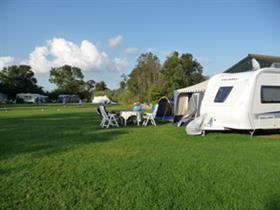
x=222, y=94
x=270, y=94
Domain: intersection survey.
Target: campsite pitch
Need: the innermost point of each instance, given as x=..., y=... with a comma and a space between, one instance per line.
x=57, y=157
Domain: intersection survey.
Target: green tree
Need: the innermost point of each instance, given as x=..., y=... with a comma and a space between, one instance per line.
x=144, y=76
x=90, y=85
x=155, y=92
x=88, y=89
x=123, y=81
x=180, y=71
x=68, y=79
x=18, y=79
x=101, y=86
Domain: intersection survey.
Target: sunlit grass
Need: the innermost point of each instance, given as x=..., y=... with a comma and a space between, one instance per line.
x=57, y=157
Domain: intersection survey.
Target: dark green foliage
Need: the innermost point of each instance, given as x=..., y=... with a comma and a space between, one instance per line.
x=149, y=81
x=180, y=71
x=56, y=157
x=88, y=89
x=101, y=86
x=144, y=75
x=68, y=79
x=18, y=79
x=155, y=93
x=123, y=82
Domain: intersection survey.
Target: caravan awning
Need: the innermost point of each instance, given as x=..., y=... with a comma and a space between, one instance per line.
x=200, y=87
x=194, y=88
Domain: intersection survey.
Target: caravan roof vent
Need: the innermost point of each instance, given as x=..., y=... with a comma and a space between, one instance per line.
x=255, y=64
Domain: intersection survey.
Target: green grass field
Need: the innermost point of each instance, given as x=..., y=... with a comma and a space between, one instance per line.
x=56, y=157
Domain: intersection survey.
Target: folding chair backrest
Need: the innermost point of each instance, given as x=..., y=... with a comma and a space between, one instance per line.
x=155, y=110
x=103, y=112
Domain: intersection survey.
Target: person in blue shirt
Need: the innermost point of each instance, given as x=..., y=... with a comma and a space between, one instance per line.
x=137, y=107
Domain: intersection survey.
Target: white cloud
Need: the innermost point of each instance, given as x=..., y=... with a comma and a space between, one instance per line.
x=6, y=61
x=58, y=52
x=38, y=60
x=115, y=41
x=120, y=63
x=131, y=50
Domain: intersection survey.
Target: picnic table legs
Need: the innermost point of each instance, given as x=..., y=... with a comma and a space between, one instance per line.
x=125, y=122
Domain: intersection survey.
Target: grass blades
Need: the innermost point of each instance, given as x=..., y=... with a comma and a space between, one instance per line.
x=57, y=157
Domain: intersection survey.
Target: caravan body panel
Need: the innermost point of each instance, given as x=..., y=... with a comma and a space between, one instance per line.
x=266, y=100
x=232, y=101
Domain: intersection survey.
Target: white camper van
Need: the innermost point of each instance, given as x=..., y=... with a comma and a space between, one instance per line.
x=249, y=100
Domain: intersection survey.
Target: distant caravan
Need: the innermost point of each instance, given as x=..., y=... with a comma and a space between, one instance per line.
x=249, y=100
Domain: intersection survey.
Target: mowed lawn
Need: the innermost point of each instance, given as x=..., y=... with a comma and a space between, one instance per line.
x=56, y=157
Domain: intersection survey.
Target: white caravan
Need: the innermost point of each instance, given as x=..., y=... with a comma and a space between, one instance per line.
x=32, y=97
x=245, y=97
x=243, y=101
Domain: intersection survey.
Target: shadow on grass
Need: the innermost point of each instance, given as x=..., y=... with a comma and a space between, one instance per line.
x=247, y=132
x=274, y=202
x=46, y=134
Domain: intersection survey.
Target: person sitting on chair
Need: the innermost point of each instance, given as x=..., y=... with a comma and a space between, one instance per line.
x=137, y=107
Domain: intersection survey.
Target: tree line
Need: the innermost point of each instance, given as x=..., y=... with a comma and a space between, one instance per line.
x=68, y=80
x=150, y=80
x=147, y=82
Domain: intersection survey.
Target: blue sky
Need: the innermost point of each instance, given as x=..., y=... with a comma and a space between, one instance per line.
x=218, y=33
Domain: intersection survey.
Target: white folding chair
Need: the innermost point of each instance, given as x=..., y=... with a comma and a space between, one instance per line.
x=107, y=118
x=99, y=113
x=150, y=117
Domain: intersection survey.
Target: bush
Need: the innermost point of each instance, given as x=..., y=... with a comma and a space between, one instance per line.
x=155, y=92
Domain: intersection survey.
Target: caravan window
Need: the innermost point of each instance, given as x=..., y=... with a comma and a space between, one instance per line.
x=222, y=94
x=270, y=94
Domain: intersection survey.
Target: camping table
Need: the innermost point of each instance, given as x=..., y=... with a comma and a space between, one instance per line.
x=127, y=114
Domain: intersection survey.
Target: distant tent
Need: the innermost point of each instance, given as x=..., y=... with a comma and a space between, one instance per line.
x=69, y=98
x=165, y=109
x=102, y=100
